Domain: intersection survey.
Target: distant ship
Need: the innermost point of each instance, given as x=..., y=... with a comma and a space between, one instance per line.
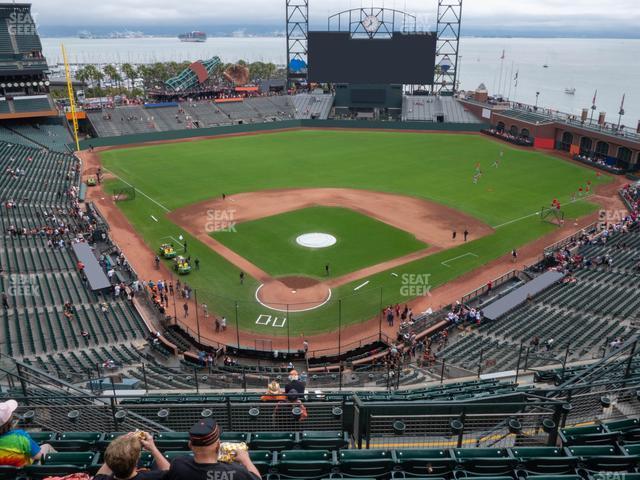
x=196, y=37
x=570, y=91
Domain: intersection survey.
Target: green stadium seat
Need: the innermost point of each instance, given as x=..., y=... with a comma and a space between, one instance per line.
x=589, y=435
x=365, y=463
x=274, y=441
x=146, y=460
x=630, y=476
x=304, y=463
x=552, y=477
x=76, y=441
x=482, y=477
x=426, y=462
x=623, y=425
x=600, y=457
x=234, y=437
x=631, y=436
x=172, y=441
x=632, y=449
x=8, y=473
x=262, y=459
x=486, y=461
x=42, y=437
x=107, y=438
x=61, y=464
x=544, y=459
x=324, y=440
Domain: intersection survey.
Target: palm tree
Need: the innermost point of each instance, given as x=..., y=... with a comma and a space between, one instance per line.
x=130, y=72
x=112, y=72
x=82, y=75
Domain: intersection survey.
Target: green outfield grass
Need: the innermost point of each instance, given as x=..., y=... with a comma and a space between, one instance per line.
x=437, y=167
x=362, y=241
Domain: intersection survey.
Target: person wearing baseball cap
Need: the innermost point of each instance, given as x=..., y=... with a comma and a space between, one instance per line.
x=295, y=388
x=204, y=442
x=17, y=448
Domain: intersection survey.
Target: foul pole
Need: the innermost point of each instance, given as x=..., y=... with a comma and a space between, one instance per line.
x=72, y=101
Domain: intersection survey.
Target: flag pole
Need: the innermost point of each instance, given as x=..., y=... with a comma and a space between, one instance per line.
x=510, y=82
x=501, y=73
x=593, y=106
x=621, y=111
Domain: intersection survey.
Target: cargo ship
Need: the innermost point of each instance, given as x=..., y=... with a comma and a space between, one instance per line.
x=197, y=37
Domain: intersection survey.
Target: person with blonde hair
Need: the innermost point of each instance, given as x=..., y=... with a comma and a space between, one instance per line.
x=274, y=393
x=123, y=454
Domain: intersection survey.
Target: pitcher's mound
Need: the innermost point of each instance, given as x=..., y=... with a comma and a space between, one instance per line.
x=299, y=293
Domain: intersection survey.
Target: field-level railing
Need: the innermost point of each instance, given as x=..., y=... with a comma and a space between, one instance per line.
x=478, y=292
x=571, y=239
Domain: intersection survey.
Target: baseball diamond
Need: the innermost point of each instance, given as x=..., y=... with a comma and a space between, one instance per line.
x=344, y=183
x=342, y=265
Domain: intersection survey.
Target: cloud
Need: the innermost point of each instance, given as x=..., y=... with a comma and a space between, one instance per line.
x=477, y=13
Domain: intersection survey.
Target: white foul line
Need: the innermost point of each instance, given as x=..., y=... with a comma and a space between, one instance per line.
x=457, y=258
x=537, y=213
x=138, y=190
x=362, y=285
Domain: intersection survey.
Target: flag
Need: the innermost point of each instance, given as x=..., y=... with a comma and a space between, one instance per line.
x=516, y=77
x=502, y=57
x=595, y=96
x=622, y=104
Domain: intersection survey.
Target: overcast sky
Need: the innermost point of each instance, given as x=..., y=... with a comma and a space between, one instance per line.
x=589, y=15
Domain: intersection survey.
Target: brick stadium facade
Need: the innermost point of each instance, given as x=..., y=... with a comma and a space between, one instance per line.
x=553, y=130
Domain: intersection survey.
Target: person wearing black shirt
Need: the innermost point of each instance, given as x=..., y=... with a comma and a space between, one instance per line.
x=122, y=456
x=295, y=388
x=204, y=442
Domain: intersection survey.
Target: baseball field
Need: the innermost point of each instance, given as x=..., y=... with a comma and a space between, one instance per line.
x=391, y=201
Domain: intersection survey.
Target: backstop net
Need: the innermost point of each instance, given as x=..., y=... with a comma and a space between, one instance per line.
x=552, y=215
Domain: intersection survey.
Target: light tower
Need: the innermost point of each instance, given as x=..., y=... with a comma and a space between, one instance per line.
x=449, y=22
x=297, y=40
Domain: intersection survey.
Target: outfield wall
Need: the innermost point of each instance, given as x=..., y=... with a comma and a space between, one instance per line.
x=266, y=127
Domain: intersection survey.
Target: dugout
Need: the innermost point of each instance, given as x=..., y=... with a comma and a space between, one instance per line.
x=379, y=102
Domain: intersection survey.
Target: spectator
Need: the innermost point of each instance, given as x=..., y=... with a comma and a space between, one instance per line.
x=204, y=442
x=274, y=393
x=17, y=448
x=295, y=388
x=123, y=454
